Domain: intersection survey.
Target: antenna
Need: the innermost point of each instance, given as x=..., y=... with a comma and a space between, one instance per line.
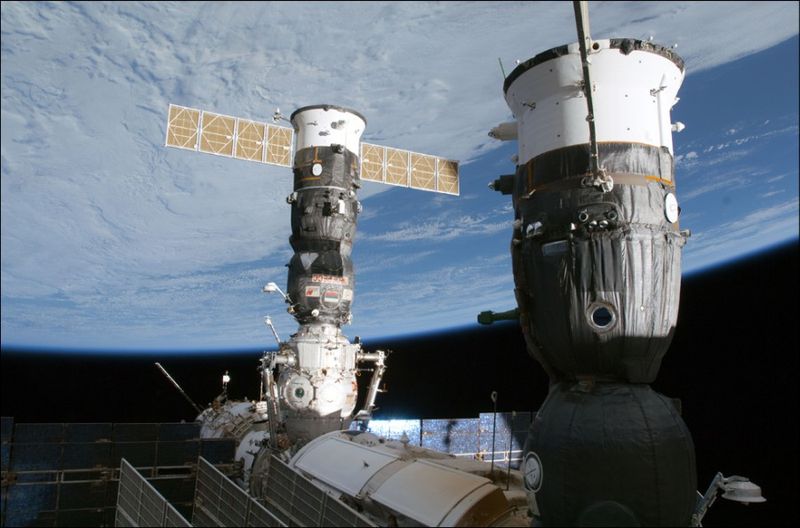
x=268, y=322
x=175, y=383
x=501, y=68
x=598, y=176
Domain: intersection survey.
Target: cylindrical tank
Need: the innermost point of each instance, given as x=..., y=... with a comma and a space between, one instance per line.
x=401, y=485
x=241, y=420
x=610, y=455
x=597, y=272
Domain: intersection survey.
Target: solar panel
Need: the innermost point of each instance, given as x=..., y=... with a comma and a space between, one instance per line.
x=140, y=504
x=423, y=172
x=220, y=502
x=408, y=169
x=38, y=433
x=182, y=127
x=86, y=455
x=216, y=134
x=456, y=435
x=303, y=503
x=222, y=135
x=178, y=431
x=250, y=140
x=373, y=162
x=245, y=139
x=279, y=145
x=87, y=432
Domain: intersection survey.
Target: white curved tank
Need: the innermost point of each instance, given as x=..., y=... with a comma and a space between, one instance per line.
x=326, y=125
x=241, y=420
x=633, y=93
x=401, y=485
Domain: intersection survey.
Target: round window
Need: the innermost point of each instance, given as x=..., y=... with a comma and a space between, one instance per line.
x=602, y=316
x=299, y=392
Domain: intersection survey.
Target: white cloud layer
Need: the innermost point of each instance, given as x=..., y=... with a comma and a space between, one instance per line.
x=105, y=231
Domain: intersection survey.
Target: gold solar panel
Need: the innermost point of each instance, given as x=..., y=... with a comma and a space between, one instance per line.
x=447, y=180
x=193, y=129
x=216, y=134
x=182, y=125
x=396, y=167
x=423, y=172
x=249, y=140
x=373, y=158
x=279, y=145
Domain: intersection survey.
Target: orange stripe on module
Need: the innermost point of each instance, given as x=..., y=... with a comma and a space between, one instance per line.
x=659, y=180
x=307, y=178
x=315, y=160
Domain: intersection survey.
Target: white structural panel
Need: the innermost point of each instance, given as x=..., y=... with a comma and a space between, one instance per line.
x=632, y=96
x=341, y=464
x=323, y=126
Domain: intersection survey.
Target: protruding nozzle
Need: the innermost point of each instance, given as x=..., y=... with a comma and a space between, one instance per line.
x=489, y=317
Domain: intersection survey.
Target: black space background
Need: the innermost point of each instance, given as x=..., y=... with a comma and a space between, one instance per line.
x=733, y=364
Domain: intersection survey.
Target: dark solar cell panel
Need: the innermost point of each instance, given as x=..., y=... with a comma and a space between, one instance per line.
x=82, y=495
x=26, y=500
x=87, y=432
x=175, y=490
x=218, y=450
x=38, y=433
x=6, y=428
x=178, y=453
x=139, y=454
x=178, y=431
x=85, y=455
x=5, y=455
x=135, y=432
x=33, y=457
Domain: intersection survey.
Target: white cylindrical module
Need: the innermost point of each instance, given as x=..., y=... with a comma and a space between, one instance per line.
x=633, y=90
x=398, y=484
x=326, y=125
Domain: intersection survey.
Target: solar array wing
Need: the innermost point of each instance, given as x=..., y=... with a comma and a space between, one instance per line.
x=245, y=139
x=232, y=137
x=408, y=169
x=299, y=502
x=218, y=501
x=139, y=504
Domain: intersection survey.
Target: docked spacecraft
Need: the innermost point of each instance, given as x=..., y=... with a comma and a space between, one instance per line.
x=596, y=250
x=309, y=389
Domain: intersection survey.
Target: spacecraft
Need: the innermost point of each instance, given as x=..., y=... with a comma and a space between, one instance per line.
x=596, y=250
x=308, y=386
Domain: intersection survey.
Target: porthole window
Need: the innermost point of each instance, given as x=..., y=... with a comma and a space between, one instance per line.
x=602, y=316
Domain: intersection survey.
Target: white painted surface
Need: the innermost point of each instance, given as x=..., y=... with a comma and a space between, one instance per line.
x=344, y=465
x=550, y=108
x=427, y=492
x=317, y=127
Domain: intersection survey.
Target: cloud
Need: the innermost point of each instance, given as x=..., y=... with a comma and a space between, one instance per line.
x=109, y=233
x=760, y=228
